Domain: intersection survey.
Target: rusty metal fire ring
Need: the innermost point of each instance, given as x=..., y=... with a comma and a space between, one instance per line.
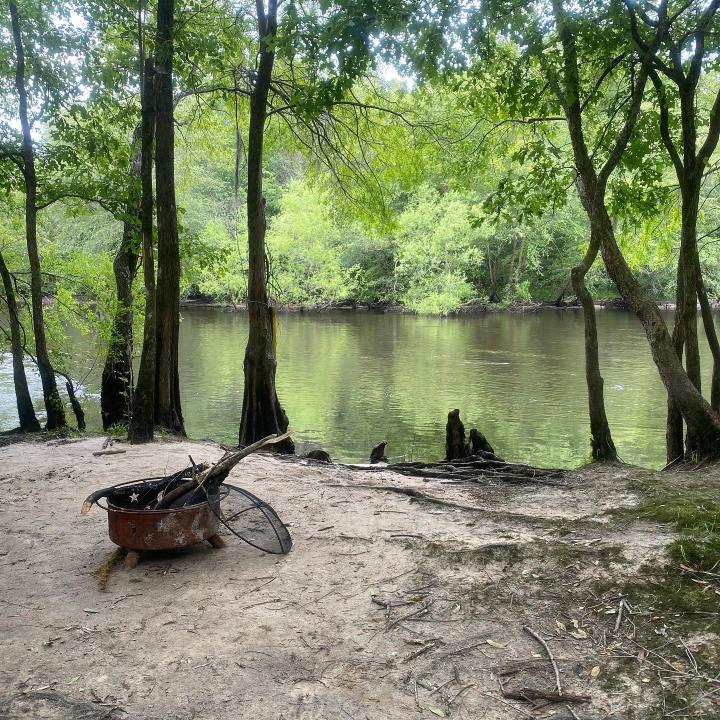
x=168, y=529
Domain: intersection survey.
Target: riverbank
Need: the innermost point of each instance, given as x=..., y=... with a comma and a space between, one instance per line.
x=469, y=308
x=387, y=606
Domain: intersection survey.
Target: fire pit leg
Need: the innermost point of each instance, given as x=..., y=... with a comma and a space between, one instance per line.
x=131, y=559
x=216, y=541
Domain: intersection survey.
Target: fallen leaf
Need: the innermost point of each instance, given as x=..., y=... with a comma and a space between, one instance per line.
x=680, y=667
x=595, y=671
x=494, y=644
x=90, y=610
x=579, y=634
x=561, y=626
x=646, y=680
x=435, y=711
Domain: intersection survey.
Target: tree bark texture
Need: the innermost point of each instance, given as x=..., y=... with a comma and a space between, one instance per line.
x=116, y=382
x=26, y=411
x=142, y=419
x=674, y=440
x=53, y=404
x=712, y=338
x=603, y=447
x=168, y=411
x=262, y=413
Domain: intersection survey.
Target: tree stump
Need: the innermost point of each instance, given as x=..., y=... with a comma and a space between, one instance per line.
x=455, y=445
x=377, y=454
x=479, y=443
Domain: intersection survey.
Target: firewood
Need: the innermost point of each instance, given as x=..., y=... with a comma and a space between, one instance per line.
x=214, y=475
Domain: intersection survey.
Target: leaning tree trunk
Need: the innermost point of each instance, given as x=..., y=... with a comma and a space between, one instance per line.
x=699, y=417
x=53, y=404
x=168, y=412
x=262, y=413
x=603, y=447
x=116, y=381
x=26, y=411
x=142, y=418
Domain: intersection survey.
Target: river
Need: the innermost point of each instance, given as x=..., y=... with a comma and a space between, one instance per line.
x=349, y=380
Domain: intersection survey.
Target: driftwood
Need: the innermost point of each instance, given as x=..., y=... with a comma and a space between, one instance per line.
x=206, y=480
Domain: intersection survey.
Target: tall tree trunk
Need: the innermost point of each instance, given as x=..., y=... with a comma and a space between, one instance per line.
x=53, y=404
x=690, y=187
x=26, y=411
x=262, y=413
x=142, y=419
x=712, y=338
x=603, y=447
x=116, y=382
x=168, y=412
x=674, y=440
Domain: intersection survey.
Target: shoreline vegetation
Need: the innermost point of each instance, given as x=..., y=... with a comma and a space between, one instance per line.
x=466, y=309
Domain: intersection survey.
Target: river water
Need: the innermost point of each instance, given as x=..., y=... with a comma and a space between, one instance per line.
x=349, y=380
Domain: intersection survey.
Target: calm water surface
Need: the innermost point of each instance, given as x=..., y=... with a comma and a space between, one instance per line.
x=350, y=380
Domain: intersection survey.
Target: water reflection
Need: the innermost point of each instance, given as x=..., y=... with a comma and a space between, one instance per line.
x=349, y=380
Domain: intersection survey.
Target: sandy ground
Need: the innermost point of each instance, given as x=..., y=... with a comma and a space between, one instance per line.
x=386, y=608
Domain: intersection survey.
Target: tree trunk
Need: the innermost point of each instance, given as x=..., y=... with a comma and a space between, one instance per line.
x=262, y=413
x=26, y=411
x=53, y=404
x=688, y=267
x=142, y=420
x=674, y=440
x=603, y=447
x=168, y=412
x=700, y=418
x=116, y=382
x=712, y=338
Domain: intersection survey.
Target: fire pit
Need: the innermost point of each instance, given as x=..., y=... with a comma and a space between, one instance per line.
x=186, y=508
x=137, y=529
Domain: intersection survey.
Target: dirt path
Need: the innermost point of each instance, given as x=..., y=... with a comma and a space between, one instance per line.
x=319, y=633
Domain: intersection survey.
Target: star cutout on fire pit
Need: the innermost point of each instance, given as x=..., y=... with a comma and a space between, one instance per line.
x=134, y=497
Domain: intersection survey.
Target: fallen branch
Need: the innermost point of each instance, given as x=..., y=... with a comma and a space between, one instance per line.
x=532, y=633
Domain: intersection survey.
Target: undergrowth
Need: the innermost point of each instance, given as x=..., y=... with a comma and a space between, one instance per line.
x=694, y=512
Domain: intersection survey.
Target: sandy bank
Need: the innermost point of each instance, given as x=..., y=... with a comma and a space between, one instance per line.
x=233, y=633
